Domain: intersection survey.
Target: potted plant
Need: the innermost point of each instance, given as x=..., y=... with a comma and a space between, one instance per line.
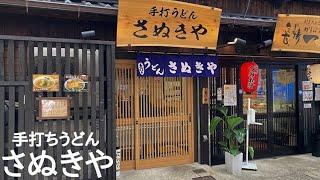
x=233, y=138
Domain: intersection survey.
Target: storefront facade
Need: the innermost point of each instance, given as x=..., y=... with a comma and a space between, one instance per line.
x=289, y=123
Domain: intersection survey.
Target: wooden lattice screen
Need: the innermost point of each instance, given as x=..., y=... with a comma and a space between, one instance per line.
x=154, y=119
x=92, y=111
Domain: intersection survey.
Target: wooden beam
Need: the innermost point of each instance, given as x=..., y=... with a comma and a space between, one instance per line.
x=60, y=40
x=113, y=11
x=247, y=21
x=73, y=7
x=14, y=83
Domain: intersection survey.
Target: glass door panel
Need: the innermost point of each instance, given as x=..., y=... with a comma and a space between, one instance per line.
x=283, y=107
x=283, y=90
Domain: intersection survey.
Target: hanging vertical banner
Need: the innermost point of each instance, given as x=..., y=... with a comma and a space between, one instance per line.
x=297, y=33
x=167, y=23
x=205, y=96
x=177, y=65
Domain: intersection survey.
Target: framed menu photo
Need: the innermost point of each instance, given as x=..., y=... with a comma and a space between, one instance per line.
x=45, y=82
x=54, y=108
x=75, y=83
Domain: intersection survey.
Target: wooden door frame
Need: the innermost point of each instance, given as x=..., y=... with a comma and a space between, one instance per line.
x=126, y=62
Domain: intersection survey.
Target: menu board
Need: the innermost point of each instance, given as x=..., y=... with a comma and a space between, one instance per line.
x=54, y=108
x=230, y=95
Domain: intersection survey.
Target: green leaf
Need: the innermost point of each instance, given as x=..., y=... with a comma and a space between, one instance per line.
x=214, y=123
x=223, y=145
x=234, y=150
x=240, y=135
x=223, y=110
x=229, y=134
x=251, y=152
x=234, y=121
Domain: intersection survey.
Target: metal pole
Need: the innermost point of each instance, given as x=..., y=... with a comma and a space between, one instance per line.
x=198, y=116
x=209, y=122
x=247, y=136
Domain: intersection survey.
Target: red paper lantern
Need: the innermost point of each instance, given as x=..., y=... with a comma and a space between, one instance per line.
x=249, y=77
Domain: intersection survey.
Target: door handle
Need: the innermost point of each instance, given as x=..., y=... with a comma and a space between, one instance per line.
x=205, y=138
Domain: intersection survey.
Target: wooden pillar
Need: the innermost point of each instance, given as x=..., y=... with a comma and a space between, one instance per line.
x=203, y=122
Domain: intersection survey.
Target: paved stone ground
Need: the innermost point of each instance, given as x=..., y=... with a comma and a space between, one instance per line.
x=298, y=167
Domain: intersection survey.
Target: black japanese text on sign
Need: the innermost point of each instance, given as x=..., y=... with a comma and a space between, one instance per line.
x=297, y=33
x=167, y=23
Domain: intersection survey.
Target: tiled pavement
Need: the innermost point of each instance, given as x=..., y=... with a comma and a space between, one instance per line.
x=297, y=167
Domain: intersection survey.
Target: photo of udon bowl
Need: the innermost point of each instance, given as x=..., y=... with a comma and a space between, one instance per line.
x=75, y=85
x=44, y=83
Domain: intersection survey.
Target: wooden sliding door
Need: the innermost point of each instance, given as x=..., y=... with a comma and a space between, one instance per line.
x=154, y=119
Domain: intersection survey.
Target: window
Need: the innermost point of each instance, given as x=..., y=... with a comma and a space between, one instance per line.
x=283, y=90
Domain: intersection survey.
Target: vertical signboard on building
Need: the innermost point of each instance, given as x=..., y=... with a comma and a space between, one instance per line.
x=205, y=96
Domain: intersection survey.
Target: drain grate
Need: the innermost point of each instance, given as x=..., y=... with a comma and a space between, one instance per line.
x=204, y=178
x=199, y=171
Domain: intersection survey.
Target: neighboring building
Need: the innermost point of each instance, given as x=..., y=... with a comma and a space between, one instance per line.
x=158, y=121
x=43, y=37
